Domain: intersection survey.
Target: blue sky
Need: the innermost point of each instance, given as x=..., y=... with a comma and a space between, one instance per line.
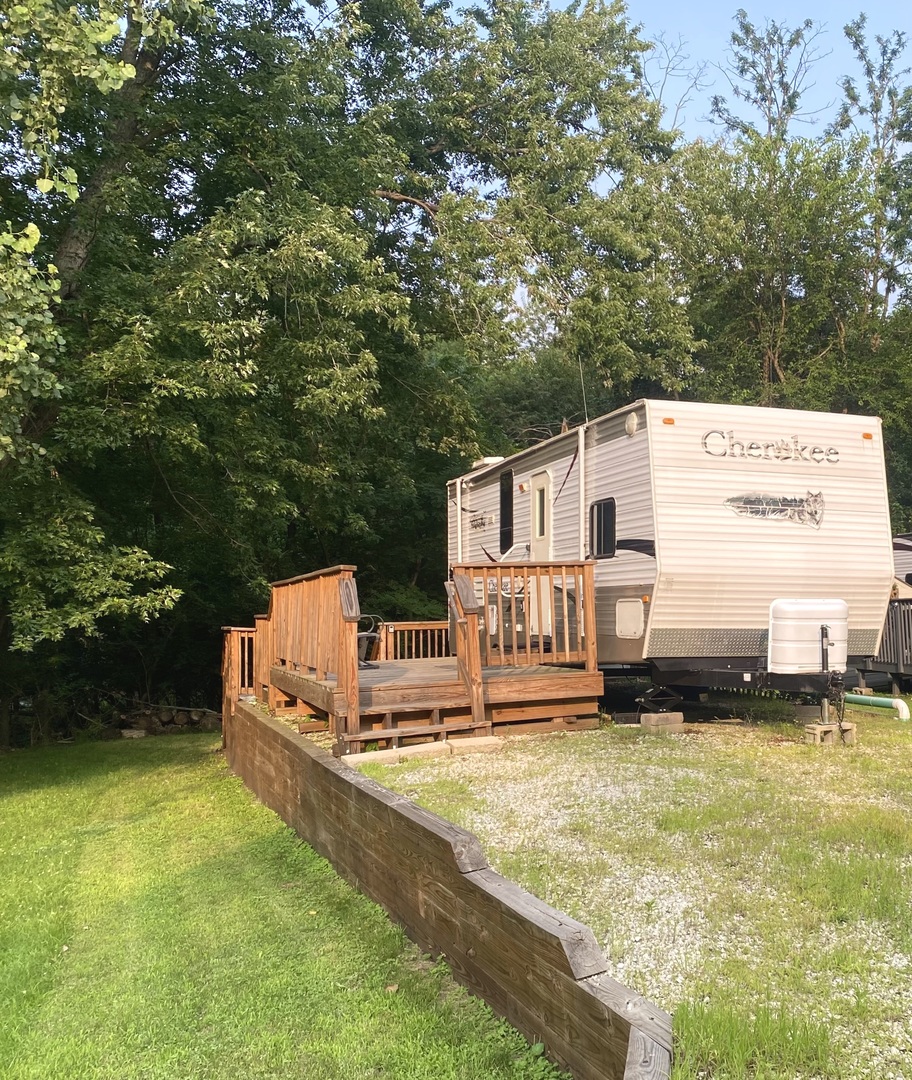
x=705, y=27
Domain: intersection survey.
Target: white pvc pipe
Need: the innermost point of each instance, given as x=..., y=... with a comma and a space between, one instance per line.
x=459, y=520
x=581, y=460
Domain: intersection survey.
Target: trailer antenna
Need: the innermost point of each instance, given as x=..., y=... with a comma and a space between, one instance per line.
x=579, y=360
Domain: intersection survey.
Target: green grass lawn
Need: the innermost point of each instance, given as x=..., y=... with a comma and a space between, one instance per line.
x=758, y=888
x=158, y=923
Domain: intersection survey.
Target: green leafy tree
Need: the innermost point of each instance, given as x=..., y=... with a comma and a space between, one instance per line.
x=880, y=110
x=784, y=240
x=298, y=233
x=768, y=71
x=58, y=572
x=773, y=241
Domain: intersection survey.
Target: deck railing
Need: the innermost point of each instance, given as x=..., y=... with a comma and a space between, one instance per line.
x=535, y=613
x=311, y=627
x=306, y=613
x=413, y=640
x=895, y=654
x=238, y=662
x=314, y=621
x=896, y=644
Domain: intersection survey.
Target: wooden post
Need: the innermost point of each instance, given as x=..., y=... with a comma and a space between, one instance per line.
x=588, y=613
x=261, y=663
x=272, y=698
x=348, y=659
x=473, y=670
x=468, y=649
x=272, y=659
x=228, y=695
x=231, y=672
x=387, y=642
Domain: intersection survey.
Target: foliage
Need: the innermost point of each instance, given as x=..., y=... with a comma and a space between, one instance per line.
x=61, y=576
x=774, y=254
x=58, y=571
x=299, y=235
x=881, y=108
x=531, y=398
x=753, y=1042
x=48, y=49
x=768, y=71
x=320, y=257
x=29, y=341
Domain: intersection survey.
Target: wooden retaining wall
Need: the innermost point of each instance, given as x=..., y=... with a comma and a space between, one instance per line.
x=535, y=966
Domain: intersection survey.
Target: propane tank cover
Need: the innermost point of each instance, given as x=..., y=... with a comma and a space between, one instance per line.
x=795, y=636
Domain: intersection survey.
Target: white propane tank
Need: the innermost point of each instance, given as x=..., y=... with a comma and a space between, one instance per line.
x=795, y=636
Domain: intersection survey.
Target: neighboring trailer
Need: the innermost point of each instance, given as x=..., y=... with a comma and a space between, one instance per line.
x=902, y=565
x=699, y=516
x=894, y=657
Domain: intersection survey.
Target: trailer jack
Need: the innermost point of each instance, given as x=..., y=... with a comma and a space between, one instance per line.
x=833, y=697
x=659, y=699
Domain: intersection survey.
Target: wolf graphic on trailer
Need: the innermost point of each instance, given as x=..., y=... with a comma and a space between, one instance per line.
x=807, y=511
x=712, y=527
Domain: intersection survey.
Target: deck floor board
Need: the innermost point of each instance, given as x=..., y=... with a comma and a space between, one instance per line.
x=389, y=674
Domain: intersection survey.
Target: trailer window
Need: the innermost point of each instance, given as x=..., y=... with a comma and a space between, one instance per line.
x=602, y=533
x=540, y=511
x=506, y=511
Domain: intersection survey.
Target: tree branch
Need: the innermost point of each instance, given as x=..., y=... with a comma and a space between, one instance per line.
x=396, y=197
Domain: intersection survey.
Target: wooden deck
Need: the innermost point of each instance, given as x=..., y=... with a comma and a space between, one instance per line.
x=302, y=657
x=405, y=700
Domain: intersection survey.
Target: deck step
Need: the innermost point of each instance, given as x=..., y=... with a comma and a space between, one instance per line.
x=410, y=732
x=383, y=710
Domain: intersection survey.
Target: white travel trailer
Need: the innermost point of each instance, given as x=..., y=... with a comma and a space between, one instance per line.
x=708, y=525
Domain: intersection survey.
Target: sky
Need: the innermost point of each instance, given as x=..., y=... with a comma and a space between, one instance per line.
x=705, y=27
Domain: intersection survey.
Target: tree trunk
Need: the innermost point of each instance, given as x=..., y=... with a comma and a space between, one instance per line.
x=78, y=238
